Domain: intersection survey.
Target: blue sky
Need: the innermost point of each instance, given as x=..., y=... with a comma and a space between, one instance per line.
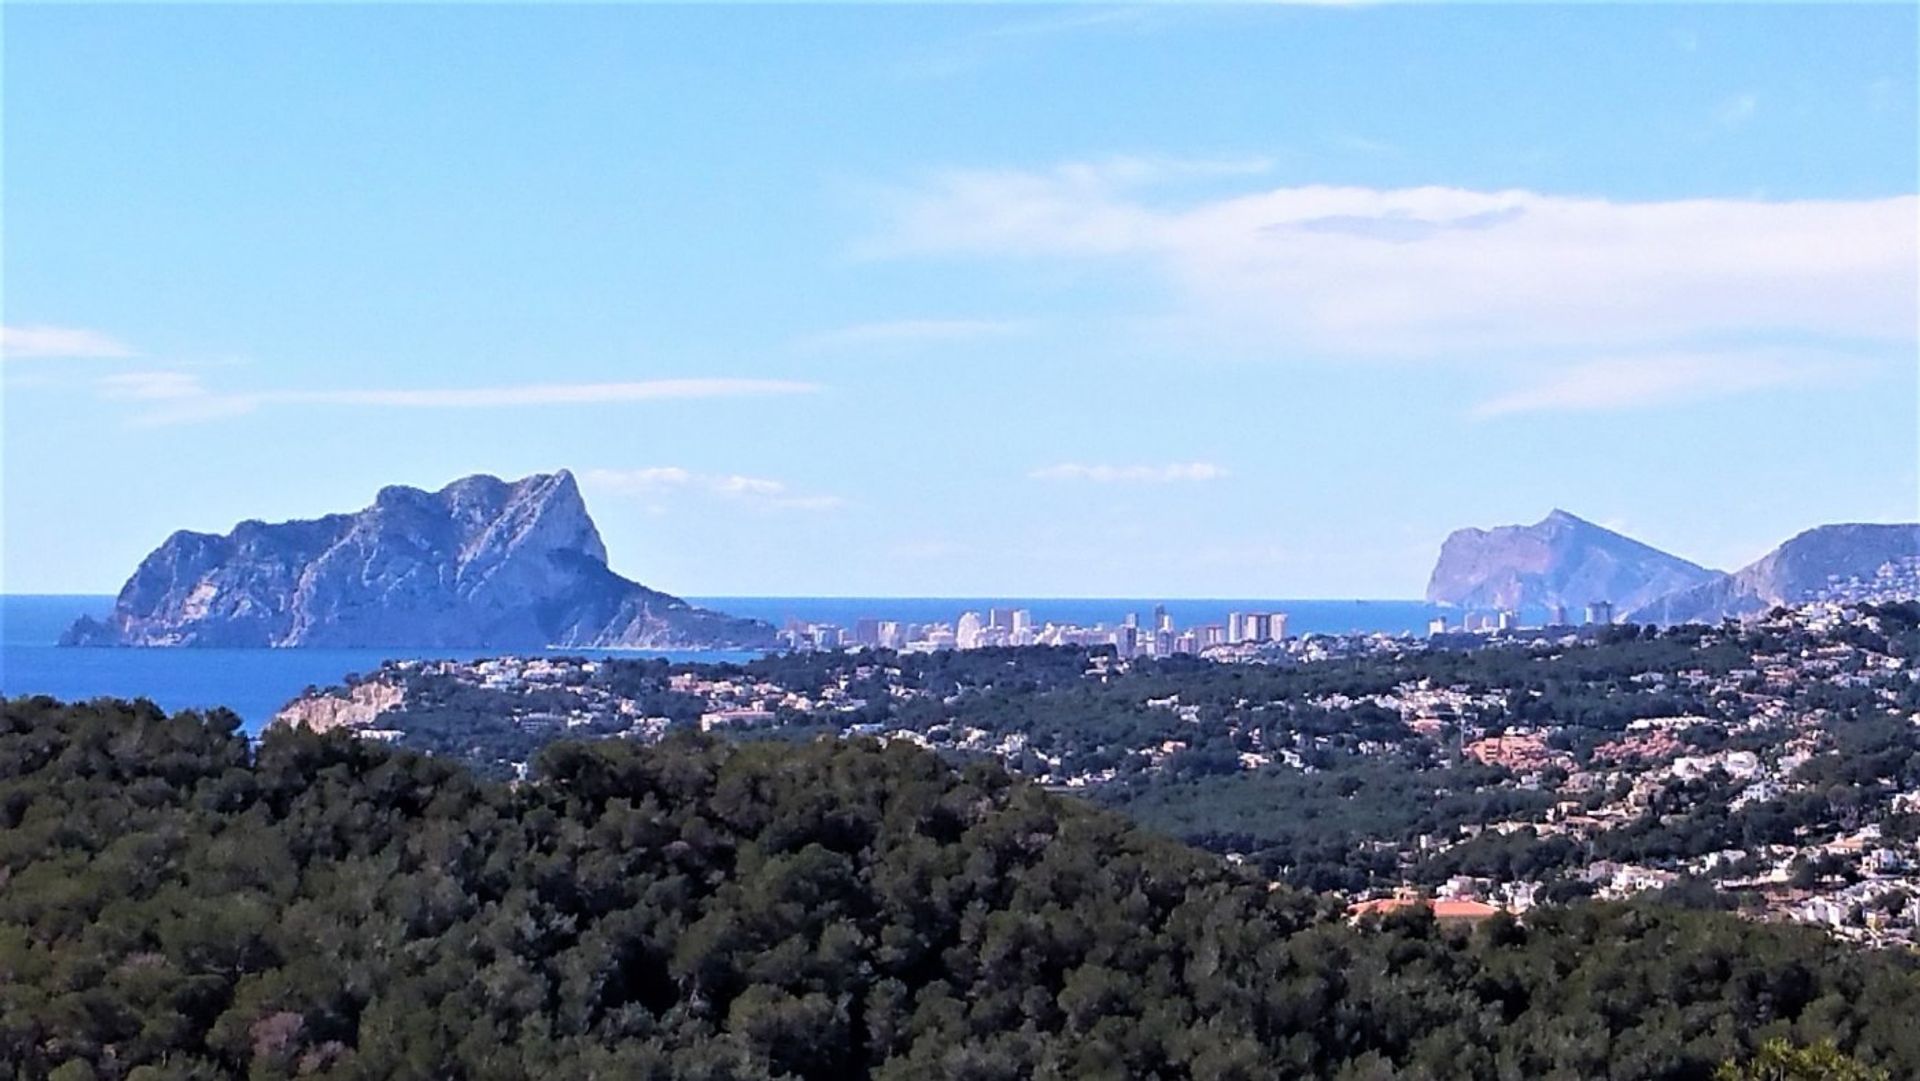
x=1042, y=301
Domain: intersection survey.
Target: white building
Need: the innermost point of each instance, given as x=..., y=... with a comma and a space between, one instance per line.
x=970, y=633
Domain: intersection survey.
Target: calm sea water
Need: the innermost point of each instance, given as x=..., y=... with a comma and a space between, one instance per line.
x=255, y=683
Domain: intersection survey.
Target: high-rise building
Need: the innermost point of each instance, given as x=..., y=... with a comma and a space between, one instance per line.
x=1600, y=612
x=969, y=633
x=892, y=634
x=866, y=631
x=1437, y=625
x=1509, y=619
x=1132, y=620
x=1277, y=625
x=1021, y=620
x=1253, y=627
x=1557, y=616
x=1161, y=620
x=1236, y=622
x=1125, y=640
x=1000, y=617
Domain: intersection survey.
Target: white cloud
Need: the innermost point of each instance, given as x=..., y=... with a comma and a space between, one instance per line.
x=903, y=332
x=658, y=481
x=1662, y=379
x=650, y=479
x=45, y=342
x=184, y=397
x=1438, y=271
x=1130, y=474
x=738, y=485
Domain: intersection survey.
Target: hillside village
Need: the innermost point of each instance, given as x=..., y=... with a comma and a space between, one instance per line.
x=1772, y=765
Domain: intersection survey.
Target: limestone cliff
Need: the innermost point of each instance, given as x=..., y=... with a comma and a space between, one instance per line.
x=479, y=564
x=1559, y=560
x=353, y=707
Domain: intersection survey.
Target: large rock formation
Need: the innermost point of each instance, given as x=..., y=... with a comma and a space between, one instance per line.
x=1833, y=562
x=479, y=564
x=1560, y=560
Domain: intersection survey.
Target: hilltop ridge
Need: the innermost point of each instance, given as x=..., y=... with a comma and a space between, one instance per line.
x=1831, y=562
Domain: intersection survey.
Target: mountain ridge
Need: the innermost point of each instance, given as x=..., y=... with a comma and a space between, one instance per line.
x=1824, y=562
x=480, y=563
x=1562, y=559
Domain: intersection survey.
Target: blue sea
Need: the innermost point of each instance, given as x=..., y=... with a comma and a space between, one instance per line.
x=255, y=683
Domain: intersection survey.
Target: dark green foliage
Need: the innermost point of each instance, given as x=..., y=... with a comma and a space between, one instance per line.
x=489, y=729
x=174, y=906
x=1312, y=828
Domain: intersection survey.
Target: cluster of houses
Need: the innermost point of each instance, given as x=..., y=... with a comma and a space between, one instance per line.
x=1858, y=882
x=1849, y=876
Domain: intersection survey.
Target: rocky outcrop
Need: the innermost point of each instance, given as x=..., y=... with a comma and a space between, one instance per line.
x=479, y=564
x=351, y=708
x=1560, y=560
x=1854, y=562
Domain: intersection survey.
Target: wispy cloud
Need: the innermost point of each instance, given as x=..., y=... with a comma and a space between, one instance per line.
x=1070, y=20
x=1436, y=271
x=550, y=393
x=667, y=480
x=48, y=342
x=181, y=397
x=906, y=332
x=653, y=478
x=1130, y=474
x=1737, y=110
x=1664, y=379
x=1365, y=145
x=1020, y=36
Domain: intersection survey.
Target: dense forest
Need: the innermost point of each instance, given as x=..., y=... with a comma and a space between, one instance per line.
x=177, y=904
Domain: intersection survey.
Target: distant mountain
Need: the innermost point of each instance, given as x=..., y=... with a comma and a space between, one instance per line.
x=1833, y=562
x=1560, y=559
x=479, y=564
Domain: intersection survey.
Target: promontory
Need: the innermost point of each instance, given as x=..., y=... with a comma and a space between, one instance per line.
x=480, y=564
